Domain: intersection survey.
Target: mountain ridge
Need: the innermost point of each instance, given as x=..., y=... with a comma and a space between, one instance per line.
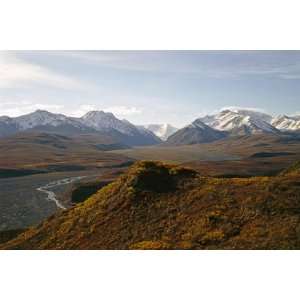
x=195, y=133
x=228, y=122
x=92, y=122
x=240, y=122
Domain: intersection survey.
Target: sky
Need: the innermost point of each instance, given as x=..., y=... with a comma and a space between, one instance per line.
x=147, y=87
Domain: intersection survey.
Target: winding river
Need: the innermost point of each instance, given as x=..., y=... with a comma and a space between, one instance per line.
x=51, y=196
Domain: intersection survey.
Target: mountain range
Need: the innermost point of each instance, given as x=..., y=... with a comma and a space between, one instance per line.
x=228, y=122
x=233, y=122
x=92, y=122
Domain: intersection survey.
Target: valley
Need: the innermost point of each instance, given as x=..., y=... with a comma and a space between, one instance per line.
x=28, y=200
x=31, y=162
x=54, y=166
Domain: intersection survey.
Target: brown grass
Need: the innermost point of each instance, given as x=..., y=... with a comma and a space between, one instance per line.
x=160, y=206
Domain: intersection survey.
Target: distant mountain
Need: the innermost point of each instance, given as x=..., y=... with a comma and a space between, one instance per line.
x=122, y=129
x=240, y=122
x=195, y=133
x=232, y=122
x=45, y=118
x=163, y=131
x=42, y=121
x=287, y=123
x=149, y=133
x=103, y=121
x=93, y=122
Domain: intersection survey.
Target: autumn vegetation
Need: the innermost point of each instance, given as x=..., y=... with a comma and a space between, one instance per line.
x=161, y=206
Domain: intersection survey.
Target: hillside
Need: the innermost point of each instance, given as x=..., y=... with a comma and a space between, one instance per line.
x=195, y=133
x=35, y=150
x=292, y=170
x=158, y=206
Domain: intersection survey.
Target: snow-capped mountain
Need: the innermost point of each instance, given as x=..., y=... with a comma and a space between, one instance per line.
x=101, y=120
x=148, y=133
x=253, y=114
x=195, y=133
x=163, y=131
x=92, y=122
x=287, y=123
x=45, y=118
x=205, y=129
x=107, y=122
x=240, y=122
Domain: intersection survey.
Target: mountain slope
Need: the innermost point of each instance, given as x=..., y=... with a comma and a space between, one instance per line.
x=100, y=121
x=148, y=133
x=42, y=121
x=129, y=133
x=158, y=206
x=195, y=133
x=240, y=122
x=7, y=127
x=38, y=150
x=163, y=131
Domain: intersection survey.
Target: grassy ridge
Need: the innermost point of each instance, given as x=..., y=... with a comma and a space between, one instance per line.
x=159, y=206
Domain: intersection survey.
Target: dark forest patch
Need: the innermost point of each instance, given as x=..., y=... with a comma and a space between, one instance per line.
x=271, y=154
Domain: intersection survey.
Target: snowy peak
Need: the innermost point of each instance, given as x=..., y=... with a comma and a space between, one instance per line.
x=44, y=118
x=286, y=123
x=98, y=114
x=253, y=114
x=105, y=121
x=163, y=131
x=240, y=122
x=199, y=125
x=101, y=120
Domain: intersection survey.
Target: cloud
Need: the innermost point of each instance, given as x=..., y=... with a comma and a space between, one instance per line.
x=119, y=111
x=210, y=64
x=238, y=108
x=123, y=110
x=15, y=72
x=82, y=110
x=18, y=108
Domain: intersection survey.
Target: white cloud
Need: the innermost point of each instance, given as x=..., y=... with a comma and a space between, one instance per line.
x=119, y=111
x=82, y=110
x=15, y=72
x=18, y=108
x=237, y=108
x=123, y=110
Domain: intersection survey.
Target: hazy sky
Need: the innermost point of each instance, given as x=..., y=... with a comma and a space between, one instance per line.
x=149, y=86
